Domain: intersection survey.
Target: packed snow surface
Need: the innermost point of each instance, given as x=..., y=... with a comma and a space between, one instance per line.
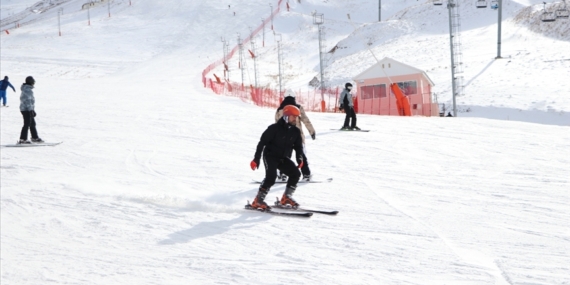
x=149, y=184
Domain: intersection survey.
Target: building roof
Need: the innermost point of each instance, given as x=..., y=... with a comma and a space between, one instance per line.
x=389, y=67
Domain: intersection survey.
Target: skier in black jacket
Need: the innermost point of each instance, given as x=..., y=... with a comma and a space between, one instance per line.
x=302, y=120
x=276, y=144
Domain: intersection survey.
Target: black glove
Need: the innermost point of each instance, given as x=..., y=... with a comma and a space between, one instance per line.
x=33, y=113
x=314, y=135
x=341, y=107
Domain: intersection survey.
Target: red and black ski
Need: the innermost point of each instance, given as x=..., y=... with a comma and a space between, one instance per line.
x=290, y=214
x=287, y=207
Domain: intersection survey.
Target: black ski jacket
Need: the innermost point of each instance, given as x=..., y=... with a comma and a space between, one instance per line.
x=278, y=140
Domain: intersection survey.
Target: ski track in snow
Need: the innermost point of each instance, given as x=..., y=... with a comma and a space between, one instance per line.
x=469, y=256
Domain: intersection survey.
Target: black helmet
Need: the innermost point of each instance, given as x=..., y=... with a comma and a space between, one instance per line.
x=6, y=77
x=30, y=80
x=348, y=84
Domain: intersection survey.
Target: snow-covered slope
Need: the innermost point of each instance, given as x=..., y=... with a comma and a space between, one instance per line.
x=530, y=77
x=149, y=184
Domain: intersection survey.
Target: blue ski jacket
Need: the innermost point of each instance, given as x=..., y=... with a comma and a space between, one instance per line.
x=4, y=84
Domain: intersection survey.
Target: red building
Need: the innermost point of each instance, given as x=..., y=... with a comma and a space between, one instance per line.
x=375, y=97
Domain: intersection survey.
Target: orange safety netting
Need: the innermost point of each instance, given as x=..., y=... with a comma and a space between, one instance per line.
x=267, y=97
x=316, y=100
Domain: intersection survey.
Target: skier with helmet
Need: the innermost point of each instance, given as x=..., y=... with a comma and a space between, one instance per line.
x=304, y=119
x=345, y=102
x=276, y=144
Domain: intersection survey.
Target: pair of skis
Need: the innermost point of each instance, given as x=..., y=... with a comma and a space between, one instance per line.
x=350, y=130
x=296, y=212
x=279, y=181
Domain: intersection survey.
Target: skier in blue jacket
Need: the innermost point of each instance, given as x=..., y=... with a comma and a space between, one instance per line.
x=4, y=84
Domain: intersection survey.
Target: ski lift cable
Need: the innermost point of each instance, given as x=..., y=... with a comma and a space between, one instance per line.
x=370, y=50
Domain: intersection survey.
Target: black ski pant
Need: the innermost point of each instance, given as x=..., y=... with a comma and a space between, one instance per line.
x=305, y=169
x=29, y=123
x=350, y=114
x=285, y=165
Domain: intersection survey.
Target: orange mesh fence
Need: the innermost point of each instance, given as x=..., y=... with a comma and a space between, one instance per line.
x=312, y=100
x=253, y=33
x=270, y=98
x=315, y=100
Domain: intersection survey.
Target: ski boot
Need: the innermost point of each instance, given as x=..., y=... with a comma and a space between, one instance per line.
x=37, y=140
x=306, y=178
x=258, y=202
x=287, y=199
x=345, y=128
x=356, y=129
x=24, y=142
